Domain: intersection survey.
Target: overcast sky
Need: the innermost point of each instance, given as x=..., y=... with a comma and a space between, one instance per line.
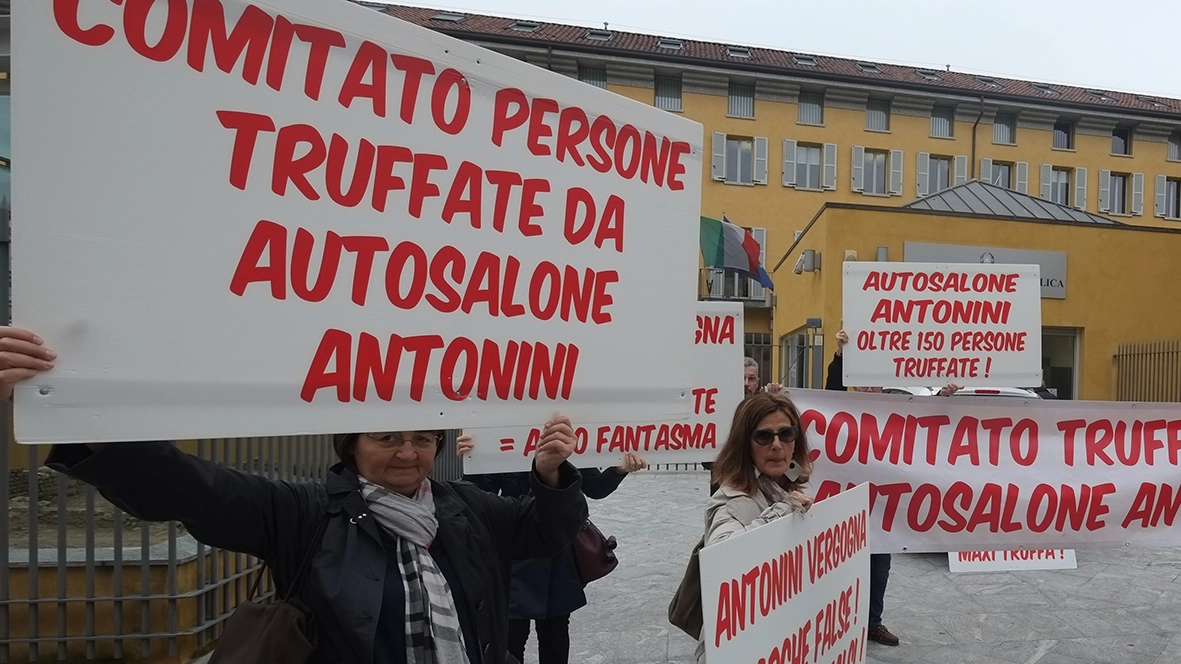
x=1129, y=45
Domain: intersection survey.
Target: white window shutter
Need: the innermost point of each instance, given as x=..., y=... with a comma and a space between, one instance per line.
x=1023, y=177
x=1104, y=190
x=1137, y=193
x=1162, y=184
x=830, y=166
x=922, y=180
x=760, y=170
x=961, y=169
x=895, y=172
x=986, y=170
x=858, y=168
x=1046, y=181
x=757, y=291
x=1080, y=188
x=718, y=168
x=789, y=162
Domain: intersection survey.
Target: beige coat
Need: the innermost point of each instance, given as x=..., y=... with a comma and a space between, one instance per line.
x=731, y=512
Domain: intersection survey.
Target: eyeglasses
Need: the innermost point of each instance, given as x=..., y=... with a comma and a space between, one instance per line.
x=786, y=435
x=420, y=441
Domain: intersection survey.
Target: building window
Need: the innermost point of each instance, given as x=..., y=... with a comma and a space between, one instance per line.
x=877, y=115
x=1002, y=174
x=668, y=93
x=876, y=172
x=1004, y=129
x=1121, y=141
x=739, y=160
x=1118, y=193
x=1060, y=186
x=1175, y=147
x=943, y=122
x=1064, y=135
x=1172, y=201
x=811, y=108
x=940, y=174
x=808, y=167
x=742, y=100
x=596, y=76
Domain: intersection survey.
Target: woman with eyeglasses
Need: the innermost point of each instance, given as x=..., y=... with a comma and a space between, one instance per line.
x=759, y=471
x=404, y=569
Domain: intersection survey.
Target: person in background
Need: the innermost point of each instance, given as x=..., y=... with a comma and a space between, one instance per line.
x=879, y=563
x=750, y=375
x=753, y=471
x=546, y=589
x=406, y=570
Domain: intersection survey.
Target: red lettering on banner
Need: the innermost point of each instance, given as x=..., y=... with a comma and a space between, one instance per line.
x=1154, y=505
x=940, y=282
x=250, y=36
x=572, y=294
x=965, y=508
x=135, y=28
x=715, y=330
x=65, y=13
x=542, y=372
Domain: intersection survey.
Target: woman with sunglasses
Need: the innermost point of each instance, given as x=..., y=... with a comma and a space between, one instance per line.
x=759, y=471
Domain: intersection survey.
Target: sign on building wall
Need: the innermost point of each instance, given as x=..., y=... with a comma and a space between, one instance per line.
x=1052, y=263
x=793, y=590
x=932, y=324
x=990, y=473
x=716, y=373
x=304, y=216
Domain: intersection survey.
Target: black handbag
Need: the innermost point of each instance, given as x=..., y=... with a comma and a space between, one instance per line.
x=281, y=631
x=594, y=554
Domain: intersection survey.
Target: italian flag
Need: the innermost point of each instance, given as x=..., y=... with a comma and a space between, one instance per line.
x=727, y=246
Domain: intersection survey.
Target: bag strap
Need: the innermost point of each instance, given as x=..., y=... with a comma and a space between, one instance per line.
x=304, y=567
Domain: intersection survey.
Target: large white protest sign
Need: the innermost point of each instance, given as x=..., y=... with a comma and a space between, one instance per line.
x=964, y=473
x=716, y=374
x=930, y=324
x=296, y=216
x=792, y=591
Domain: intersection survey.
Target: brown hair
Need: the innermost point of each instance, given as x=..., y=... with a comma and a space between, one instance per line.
x=345, y=445
x=735, y=464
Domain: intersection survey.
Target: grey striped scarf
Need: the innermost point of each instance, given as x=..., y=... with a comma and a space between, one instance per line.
x=433, y=635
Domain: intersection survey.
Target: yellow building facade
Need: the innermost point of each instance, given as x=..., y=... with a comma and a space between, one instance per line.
x=794, y=138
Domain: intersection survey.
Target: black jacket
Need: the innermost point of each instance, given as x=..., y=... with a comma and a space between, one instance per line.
x=836, y=374
x=547, y=587
x=479, y=534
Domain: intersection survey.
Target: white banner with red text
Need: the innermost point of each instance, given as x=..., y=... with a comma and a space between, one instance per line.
x=793, y=590
x=716, y=371
x=984, y=473
x=931, y=324
x=307, y=216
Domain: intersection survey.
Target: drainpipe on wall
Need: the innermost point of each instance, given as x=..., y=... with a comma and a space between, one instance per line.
x=972, y=167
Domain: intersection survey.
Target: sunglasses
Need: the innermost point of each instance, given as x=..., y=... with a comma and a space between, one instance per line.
x=786, y=435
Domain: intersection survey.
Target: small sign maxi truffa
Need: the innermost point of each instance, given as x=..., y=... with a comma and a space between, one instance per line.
x=716, y=390
x=334, y=221
x=928, y=324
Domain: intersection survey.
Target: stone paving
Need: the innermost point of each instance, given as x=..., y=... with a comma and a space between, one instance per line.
x=1118, y=607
